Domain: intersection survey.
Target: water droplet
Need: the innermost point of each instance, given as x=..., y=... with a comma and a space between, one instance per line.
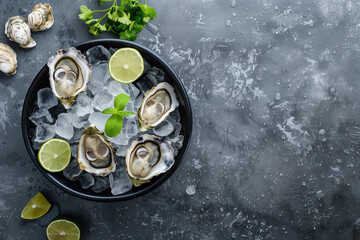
x=277, y=96
x=309, y=9
x=22, y=164
x=332, y=92
x=319, y=195
x=228, y=23
x=276, y=7
x=208, y=94
x=152, y=28
x=234, y=14
x=283, y=137
x=309, y=33
x=23, y=10
x=31, y=179
x=190, y=190
x=233, y=235
x=233, y=3
x=303, y=183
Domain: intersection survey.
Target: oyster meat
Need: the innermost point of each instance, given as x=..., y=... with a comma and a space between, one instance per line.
x=8, y=61
x=95, y=153
x=41, y=17
x=69, y=75
x=156, y=105
x=148, y=156
x=18, y=30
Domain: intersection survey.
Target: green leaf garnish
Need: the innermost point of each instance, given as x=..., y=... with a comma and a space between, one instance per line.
x=114, y=124
x=125, y=20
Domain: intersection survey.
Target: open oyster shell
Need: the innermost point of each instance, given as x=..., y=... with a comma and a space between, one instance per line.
x=18, y=30
x=147, y=157
x=41, y=17
x=8, y=61
x=156, y=105
x=95, y=153
x=69, y=75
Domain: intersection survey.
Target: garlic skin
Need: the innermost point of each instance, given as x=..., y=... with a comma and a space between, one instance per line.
x=41, y=18
x=8, y=60
x=18, y=30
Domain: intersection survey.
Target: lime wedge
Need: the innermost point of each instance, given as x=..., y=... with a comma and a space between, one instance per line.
x=126, y=65
x=36, y=207
x=62, y=229
x=54, y=155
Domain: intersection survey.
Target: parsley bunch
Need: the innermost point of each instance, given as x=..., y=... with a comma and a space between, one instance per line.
x=125, y=20
x=114, y=124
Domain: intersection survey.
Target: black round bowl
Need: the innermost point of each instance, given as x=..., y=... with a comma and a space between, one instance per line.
x=74, y=188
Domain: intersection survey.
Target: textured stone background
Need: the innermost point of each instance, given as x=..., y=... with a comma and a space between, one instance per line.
x=274, y=87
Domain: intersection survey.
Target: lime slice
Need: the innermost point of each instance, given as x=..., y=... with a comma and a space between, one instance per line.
x=54, y=155
x=36, y=207
x=126, y=65
x=62, y=229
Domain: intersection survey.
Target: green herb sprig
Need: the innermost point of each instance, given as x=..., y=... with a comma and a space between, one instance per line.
x=125, y=20
x=114, y=124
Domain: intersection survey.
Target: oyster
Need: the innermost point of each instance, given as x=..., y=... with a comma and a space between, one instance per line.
x=148, y=156
x=95, y=153
x=41, y=17
x=156, y=105
x=8, y=61
x=69, y=75
x=18, y=30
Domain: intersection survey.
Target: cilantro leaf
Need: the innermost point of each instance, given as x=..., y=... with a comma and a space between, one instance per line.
x=113, y=125
x=86, y=13
x=125, y=20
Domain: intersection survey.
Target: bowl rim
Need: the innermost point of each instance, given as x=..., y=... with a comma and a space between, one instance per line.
x=152, y=185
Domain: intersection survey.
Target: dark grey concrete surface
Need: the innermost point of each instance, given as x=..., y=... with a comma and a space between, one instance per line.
x=274, y=87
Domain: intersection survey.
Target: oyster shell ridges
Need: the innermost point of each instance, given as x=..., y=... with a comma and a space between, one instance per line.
x=109, y=158
x=18, y=30
x=164, y=162
x=41, y=17
x=8, y=60
x=162, y=88
x=72, y=62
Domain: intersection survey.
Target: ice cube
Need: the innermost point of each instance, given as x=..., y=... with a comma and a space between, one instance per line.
x=73, y=148
x=86, y=180
x=115, y=88
x=44, y=132
x=164, y=129
x=99, y=78
x=119, y=181
x=77, y=134
x=41, y=116
x=46, y=98
x=112, y=50
x=175, y=115
x=101, y=184
x=72, y=171
x=98, y=54
x=138, y=101
x=120, y=139
x=120, y=150
x=131, y=128
x=78, y=122
x=99, y=119
x=134, y=91
x=83, y=105
x=63, y=126
x=103, y=100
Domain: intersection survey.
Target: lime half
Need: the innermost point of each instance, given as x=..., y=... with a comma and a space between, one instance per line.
x=62, y=229
x=126, y=65
x=54, y=155
x=36, y=207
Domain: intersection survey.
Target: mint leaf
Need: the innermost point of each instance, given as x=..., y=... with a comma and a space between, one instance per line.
x=86, y=13
x=125, y=113
x=110, y=111
x=113, y=125
x=120, y=101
